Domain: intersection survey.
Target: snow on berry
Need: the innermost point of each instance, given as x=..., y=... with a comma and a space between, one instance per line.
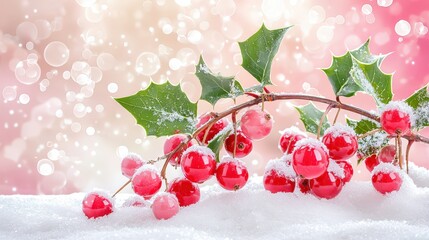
x=385, y=168
x=200, y=149
x=281, y=167
x=289, y=137
x=146, y=167
x=335, y=169
x=400, y=106
x=340, y=129
x=287, y=158
x=397, y=117
x=135, y=201
x=130, y=163
x=293, y=130
x=311, y=143
x=97, y=204
x=386, y=178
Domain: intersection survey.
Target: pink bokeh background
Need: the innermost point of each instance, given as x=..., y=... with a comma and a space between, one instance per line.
x=62, y=62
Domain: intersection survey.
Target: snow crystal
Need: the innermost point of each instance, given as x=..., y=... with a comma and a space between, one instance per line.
x=280, y=167
x=146, y=167
x=339, y=129
x=200, y=149
x=129, y=202
x=162, y=194
x=310, y=142
x=385, y=168
x=421, y=115
x=357, y=73
x=402, y=107
x=292, y=131
x=287, y=158
x=335, y=169
x=134, y=157
x=374, y=141
x=228, y=158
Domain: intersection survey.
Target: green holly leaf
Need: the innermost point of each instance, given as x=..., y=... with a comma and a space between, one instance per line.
x=351, y=73
x=161, y=109
x=373, y=81
x=217, y=142
x=258, y=52
x=310, y=116
x=419, y=101
x=214, y=86
x=363, y=126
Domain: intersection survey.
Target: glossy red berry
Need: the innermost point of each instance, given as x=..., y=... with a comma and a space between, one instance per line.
x=348, y=170
x=341, y=142
x=130, y=164
x=279, y=177
x=232, y=174
x=386, y=178
x=256, y=124
x=171, y=144
x=198, y=164
x=243, y=145
x=289, y=138
x=214, y=129
x=165, y=206
x=387, y=154
x=146, y=182
x=371, y=162
x=95, y=205
x=186, y=191
x=310, y=158
x=327, y=186
x=304, y=185
x=396, y=117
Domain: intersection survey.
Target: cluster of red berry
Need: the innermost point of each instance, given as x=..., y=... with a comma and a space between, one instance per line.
x=319, y=167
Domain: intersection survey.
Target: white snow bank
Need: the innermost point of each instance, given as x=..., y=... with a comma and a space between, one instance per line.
x=359, y=212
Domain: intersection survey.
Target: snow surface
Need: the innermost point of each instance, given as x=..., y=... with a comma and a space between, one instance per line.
x=359, y=212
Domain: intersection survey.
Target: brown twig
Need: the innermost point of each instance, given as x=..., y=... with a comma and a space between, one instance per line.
x=369, y=133
x=122, y=187
x=400, y=150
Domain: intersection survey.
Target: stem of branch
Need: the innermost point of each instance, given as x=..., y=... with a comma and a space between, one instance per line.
x=121, y=188
x=407, y=153
x=330, y=106
x=369, y=133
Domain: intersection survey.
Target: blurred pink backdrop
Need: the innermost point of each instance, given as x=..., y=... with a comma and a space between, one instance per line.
x=62, y=62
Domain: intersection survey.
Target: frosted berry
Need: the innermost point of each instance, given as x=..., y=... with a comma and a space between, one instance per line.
x=310, y=158
x=243, y=145
x=387, y=154
x=289, y=138
x=304, y=185
x=135, y=201
x=348, y=170
x=171, y=144
x=396, y=118
x=341, y=142
x=165, y=206
x=186, y=191
x=130, y=164
x=279, y=176
x=256, y=124
x=215, y=128
x=96, y=205
x=146, y=182
x=371, y=162
x=232, y=174
x=327, y=186
x=198, y=164
x=386, y=178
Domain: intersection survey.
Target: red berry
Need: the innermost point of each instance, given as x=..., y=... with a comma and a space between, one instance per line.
x=304, y=185
x=95, y=205
x=341, y=142
x=396, y=117
x=171, y=144
x=387, y=154
x=289, y=138
x=130, y=164
x=256, y=124
x=327, y=186
x=186, y=191
x=386, y=178
x=310, y=158
x=243, y=145
x=348, y=170
x=371, y=162
x=279, y=177
x=198, y=164
x=165, y=206
x=135, y=201
x=146, y=181
x=232, y=174
x=215, y=128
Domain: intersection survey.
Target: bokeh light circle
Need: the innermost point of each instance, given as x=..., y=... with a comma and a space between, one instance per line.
x=56, y=54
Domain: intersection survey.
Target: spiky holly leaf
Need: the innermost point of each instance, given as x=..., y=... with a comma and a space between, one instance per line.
x=217, y=142
x=161, y=109
x=214, y=86
x=258, y=52
x=371, y=144
x=419, y=101
x=345, y=80
x=310, y=116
